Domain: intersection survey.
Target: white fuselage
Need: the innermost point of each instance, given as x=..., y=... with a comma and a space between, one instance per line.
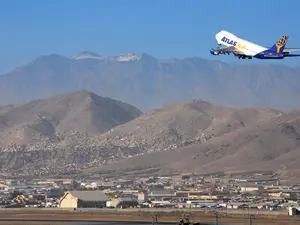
x=227, y=39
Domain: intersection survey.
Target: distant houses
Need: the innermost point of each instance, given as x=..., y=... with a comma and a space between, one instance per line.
x=193, y=192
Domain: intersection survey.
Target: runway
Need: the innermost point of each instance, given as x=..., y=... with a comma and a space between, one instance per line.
x=87, y=222
x=122, y=217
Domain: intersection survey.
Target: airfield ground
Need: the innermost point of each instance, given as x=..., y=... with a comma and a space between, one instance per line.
x=233, y=217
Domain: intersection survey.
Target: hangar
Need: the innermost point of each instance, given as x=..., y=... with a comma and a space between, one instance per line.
x=83, y=199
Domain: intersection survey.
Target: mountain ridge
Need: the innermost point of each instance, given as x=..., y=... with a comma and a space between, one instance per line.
x=64, y=113
x=149, y=83
x=67, y=134
x=271, y=145
x=81, y=134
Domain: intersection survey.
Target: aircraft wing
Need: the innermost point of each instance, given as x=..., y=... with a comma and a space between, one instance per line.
x=226, y=50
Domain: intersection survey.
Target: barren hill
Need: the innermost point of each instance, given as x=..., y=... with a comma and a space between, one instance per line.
x=173, y=126
x=80, y=111
x=40, y=125
x=180, y=124
x=270, y=145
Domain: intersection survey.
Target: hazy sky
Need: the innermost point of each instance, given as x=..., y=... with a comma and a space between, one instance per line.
x=162, y=28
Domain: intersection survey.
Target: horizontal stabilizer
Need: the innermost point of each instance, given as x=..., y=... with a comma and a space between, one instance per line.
x=291, y=49
x=292, y=55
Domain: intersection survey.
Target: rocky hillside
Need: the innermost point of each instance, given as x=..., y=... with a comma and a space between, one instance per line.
x=29, y=129
x=180, y=125
x=270, y=145
x=149, y=83
x=168, y=128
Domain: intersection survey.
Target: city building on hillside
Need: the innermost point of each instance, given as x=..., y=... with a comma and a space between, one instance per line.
x=251, y=188
x=161, y=194
x=203, y=196
x=279, y=195
x=83, y=199
x=3, y=186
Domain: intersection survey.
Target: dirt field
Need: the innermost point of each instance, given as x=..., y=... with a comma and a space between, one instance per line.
x=142, y=216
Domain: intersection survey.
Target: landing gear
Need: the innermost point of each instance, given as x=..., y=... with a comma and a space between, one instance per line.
x=244, y=57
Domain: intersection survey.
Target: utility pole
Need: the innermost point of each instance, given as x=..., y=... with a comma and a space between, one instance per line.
x=154, y=218
x=251, y=217
x=217, y=218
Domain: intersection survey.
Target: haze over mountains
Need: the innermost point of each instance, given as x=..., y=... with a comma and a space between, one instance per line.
x=148, y=83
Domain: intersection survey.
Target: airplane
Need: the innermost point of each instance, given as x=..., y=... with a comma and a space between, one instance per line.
x=244, y=49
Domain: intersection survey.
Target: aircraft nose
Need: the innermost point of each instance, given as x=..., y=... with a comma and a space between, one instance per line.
x=219, y=37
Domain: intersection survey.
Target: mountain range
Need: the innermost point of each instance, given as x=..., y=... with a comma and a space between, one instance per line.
x=81, y=133
x=148, y=83
x=159, y=117
x=271, y=145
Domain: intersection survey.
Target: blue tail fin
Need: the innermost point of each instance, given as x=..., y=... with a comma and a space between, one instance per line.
x=280, y=45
